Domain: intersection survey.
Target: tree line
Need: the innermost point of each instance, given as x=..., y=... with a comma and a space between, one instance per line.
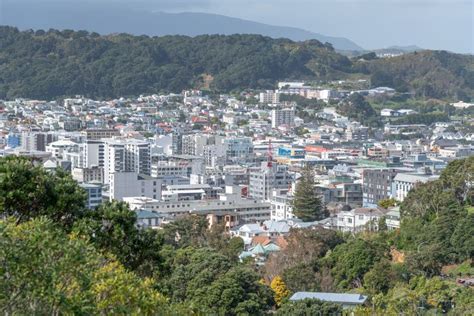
x=51, y=64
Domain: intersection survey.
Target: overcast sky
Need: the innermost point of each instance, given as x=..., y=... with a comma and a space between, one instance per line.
x=433, y=24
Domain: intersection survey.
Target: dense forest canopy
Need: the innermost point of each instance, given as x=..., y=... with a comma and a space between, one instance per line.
x=46, y=65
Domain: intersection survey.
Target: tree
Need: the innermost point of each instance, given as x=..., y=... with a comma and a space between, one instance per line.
x=386, y=203
x=44, y=271
x=379, y=279
x=309, y=307
x=112, y=227
x=187, y=231
x=307, y=205
x=28, y=191
x=352, y=260
x=279, y=288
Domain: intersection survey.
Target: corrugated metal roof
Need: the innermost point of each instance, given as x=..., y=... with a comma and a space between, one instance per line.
x=343, y=298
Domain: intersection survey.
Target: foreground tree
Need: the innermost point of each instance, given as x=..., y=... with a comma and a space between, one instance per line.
x=45, y=272
x=307, y=205
x=112, y=227
x=27, y=191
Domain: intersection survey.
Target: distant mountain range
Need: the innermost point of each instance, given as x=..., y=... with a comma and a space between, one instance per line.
x=109, y=19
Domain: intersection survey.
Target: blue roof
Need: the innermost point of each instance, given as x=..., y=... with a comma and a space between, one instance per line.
x=343, y=298
x=146, y=214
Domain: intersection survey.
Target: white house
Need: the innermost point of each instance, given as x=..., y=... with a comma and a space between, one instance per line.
x=359, y=219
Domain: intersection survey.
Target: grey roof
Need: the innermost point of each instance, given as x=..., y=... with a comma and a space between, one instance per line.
x=141, y=214
x=343, y=298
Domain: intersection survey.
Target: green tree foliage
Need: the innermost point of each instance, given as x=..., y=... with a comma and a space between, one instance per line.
x=356, y=107
x=437, y=74
x=64, y=63
x=211, y=284
x=353, y=259
x=27, y=191
x=112, y=227
x=386, y=203
x=379, y=279
x=425, y=118
x=44, y=271
x=56, y=63
x=307, y=205
x=309, y=307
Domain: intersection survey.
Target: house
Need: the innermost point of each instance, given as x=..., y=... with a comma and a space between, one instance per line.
x=147, y=219
x=359, y=219
x=392, y=218
x=347, y=300
x=268, y=228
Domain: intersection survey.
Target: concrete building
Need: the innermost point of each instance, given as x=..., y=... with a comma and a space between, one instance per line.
x=345, y=193
x=94, y=153
x=356, y=132
x=92, y=174
x=97, y=134
x=282, y=208
x=230, y=203
x=269, y=96
x=403, y=183
x=126, y=184
x=126, y=155
x=238, y=149
x=94, y=194
x=263, y=179
x=377, y=184
x=283, y=117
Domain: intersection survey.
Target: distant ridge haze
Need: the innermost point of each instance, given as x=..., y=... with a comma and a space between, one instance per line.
x=107, y=19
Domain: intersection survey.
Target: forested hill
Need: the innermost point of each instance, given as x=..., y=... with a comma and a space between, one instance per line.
x=52, y=64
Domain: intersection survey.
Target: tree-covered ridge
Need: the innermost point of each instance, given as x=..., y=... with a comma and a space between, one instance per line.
x=52, y=64
x=436, y=74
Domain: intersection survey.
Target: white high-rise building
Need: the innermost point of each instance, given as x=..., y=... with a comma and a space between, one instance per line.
x=283, y=117
x=126, y=155
x=263, y=180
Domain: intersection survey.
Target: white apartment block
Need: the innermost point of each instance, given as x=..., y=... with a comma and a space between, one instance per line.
x=403, y=183
x=263, y=180
x=282, y=208
x=170, y=168
x=283, y=117
x=127, y=184
x=269, y=96
x=245, y=209
x=94, y=153
x=126, y=155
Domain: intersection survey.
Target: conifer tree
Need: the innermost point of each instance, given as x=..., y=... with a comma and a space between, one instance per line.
x=307, y=205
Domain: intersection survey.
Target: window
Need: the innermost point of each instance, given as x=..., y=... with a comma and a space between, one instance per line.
x=361, y=216
x=349, y=220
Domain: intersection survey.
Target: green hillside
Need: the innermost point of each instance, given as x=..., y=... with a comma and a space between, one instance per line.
x=62, y=63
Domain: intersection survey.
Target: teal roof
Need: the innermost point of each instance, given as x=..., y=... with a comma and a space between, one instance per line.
x=258, y=249
x=271, y=247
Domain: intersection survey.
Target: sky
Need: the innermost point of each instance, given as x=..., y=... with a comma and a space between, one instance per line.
x=431, y=24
